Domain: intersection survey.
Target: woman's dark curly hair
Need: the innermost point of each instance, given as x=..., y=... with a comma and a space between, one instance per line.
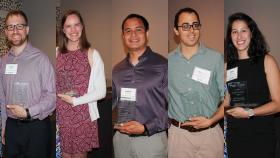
x=257, y=47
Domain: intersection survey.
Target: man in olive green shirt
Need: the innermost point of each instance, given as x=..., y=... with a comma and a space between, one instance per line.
x=196, y=89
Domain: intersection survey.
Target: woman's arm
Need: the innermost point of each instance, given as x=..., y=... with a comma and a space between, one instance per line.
x=97, y=79
x=273, y=80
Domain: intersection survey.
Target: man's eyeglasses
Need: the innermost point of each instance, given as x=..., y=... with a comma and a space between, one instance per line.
x=187, y=26
x=17, y=26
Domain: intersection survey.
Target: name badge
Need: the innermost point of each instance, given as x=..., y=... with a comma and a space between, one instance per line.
x=128, y=94
x=201, y=75
x=232, y=74
x=11, y=69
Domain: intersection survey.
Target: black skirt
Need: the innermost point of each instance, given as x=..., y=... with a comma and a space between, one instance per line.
x=251, y=138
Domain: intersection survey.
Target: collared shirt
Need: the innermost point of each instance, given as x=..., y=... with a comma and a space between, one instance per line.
x=35, y=70
x=149, y=78
x=189, y=96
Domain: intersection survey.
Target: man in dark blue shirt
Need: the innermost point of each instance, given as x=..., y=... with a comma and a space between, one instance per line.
x=140, y=94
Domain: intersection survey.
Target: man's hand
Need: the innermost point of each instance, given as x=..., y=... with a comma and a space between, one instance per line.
x=17, y=111
x=131, y=127
x=238, y=112
x=198, y=122
x=66, y=98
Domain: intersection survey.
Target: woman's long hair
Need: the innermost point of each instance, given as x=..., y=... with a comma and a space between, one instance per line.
x=62, y=39
x=257, y=47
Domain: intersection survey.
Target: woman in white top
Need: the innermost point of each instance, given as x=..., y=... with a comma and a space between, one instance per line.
x=80, y=84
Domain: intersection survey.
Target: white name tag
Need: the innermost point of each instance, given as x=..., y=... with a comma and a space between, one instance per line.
x=11, y=69
x=128, y=94
x=232, y=74
x=201, y=75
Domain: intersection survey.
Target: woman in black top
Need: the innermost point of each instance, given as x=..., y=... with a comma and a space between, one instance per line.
x=253, y=83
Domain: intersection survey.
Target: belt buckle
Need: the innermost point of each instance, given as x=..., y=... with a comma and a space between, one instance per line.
x=192, y=129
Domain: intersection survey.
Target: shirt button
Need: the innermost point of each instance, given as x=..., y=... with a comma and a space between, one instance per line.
x=191, y=102
x=189, y=89
x=188, y=75
x=188, y=62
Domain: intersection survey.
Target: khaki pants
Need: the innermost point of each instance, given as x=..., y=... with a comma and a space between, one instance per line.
x=208, y=143
x=154, y=146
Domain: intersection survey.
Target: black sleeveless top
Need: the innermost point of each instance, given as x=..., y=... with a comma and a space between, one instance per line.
x=251, y=86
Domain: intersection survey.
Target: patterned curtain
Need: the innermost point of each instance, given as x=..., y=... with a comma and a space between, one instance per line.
x=225, y=132
x=6, y=6
x=225, y=129
x=58, y=19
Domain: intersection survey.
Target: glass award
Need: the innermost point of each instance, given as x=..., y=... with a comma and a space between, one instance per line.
x=238, y=91
x=126, y=105
x=20, y=94
x=68, y=85
x=125, y=112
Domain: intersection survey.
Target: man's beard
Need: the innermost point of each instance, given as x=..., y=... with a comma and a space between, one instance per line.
x=13, y=43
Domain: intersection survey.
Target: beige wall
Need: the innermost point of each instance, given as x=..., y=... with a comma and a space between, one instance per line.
x=211, y=14
x=41, y=18
x=103, y=24
x=155, y=11
x=103, y=21
x=267, y=16
x=97, y=18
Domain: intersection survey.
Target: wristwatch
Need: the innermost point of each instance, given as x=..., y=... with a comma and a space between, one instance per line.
x=28, y=116
x=250, y=112
x=145, y=130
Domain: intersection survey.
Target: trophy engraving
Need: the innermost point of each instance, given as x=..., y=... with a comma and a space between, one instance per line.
x=68, y=85
x=20, y=93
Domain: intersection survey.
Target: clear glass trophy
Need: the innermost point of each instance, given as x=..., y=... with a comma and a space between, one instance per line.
x=20, y=94
x=68, y=85
x=125, y=112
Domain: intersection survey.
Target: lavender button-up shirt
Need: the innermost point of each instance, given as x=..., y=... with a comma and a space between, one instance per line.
x=149, y=78
x=36, y=71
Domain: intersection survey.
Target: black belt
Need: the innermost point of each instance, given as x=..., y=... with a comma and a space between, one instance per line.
x=134, y=135
x=188, y=128
x=27, y=121
x=138, y=135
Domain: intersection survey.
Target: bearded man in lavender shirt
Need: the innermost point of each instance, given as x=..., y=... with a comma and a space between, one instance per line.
x=27, y=93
